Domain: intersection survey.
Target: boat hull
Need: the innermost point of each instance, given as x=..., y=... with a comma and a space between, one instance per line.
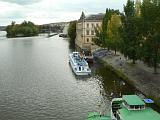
x=79, y=73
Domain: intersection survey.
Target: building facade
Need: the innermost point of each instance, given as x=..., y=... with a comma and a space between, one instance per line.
x=85, y=30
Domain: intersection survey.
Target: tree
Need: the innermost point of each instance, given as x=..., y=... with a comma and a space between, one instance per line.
x=150, y=12
x=72, y=32
x=101, y=38
x=129, y=9
x=25, y=29
x=129, y=33
x=113, y=31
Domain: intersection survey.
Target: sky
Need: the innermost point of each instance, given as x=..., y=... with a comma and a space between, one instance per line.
x=50, y=11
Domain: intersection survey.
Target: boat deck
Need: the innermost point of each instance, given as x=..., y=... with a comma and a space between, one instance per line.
x=80, y=61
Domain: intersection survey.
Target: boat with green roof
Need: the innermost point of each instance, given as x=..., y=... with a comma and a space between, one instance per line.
x=132, y=107
x=129, y=107
x=97, y=116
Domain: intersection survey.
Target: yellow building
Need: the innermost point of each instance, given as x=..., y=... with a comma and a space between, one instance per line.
x=85, y=30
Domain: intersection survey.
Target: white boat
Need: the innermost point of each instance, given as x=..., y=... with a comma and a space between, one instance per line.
x=79, y=64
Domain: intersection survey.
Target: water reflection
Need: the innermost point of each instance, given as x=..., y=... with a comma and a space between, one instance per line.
x=112, y=84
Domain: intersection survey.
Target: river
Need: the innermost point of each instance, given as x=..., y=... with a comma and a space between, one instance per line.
x=37, y=83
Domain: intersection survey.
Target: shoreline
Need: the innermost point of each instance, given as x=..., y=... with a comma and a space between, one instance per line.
x=139, y=75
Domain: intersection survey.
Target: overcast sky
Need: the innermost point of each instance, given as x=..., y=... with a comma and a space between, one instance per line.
x=49, y=11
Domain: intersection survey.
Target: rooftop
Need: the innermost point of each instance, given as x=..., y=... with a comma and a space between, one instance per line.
x=133, y=100
x=95, y=17
x=92, y=16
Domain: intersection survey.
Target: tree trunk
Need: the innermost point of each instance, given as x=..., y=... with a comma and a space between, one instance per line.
x=155, y=69
x=134, y=62
x=155, y=60
x=115, y=52
x=155, y=64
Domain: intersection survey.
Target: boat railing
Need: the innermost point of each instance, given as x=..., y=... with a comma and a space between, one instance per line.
x=134, y=107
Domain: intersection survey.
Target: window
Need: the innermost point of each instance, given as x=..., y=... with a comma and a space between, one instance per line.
x=87, y=39
x=97, y=25
x=92, y=32
x=87, y=32
x=87, y=25
x=92, y=25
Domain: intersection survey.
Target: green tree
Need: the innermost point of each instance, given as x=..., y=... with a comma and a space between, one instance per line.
x=101, y=38
x=129, y=9
x=150, y=13
x=72, y=32
x=129, y=32
x=113, y=31
x=25, y=29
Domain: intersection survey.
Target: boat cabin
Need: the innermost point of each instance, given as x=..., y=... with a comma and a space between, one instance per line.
x=75, y=54
x=132, y=108
x=133, y=102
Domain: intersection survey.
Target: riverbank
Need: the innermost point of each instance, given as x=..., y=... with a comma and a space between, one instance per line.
x=139, y=75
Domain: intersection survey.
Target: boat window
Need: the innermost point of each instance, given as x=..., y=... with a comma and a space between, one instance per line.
x=137, y=107
x=79, y=68
x=132, y=106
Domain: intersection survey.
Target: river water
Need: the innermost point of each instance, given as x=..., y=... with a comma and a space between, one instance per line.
x=37, y=83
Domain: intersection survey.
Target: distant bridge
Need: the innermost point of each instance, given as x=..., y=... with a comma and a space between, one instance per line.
x=2, y=28
x=53, y=27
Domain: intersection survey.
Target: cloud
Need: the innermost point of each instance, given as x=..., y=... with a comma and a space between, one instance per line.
x=22, y=2
x=49, y=11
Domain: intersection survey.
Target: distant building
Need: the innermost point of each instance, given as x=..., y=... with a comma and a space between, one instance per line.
x=2, y=28
x=85, y=30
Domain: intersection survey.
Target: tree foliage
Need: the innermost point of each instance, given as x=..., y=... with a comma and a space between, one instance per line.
x=113, y=31
x=150, y=14
x=72, y=31
x=102, y=38
x=139, y=35
x=129, y=32
x=25, y=29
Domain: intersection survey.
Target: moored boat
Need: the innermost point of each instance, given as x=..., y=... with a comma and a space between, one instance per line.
x=63, y=35
x=79, y=64
x=131, y=107
x=97, y=116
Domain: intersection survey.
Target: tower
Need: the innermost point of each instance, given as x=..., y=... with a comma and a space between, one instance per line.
x=82, y=16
